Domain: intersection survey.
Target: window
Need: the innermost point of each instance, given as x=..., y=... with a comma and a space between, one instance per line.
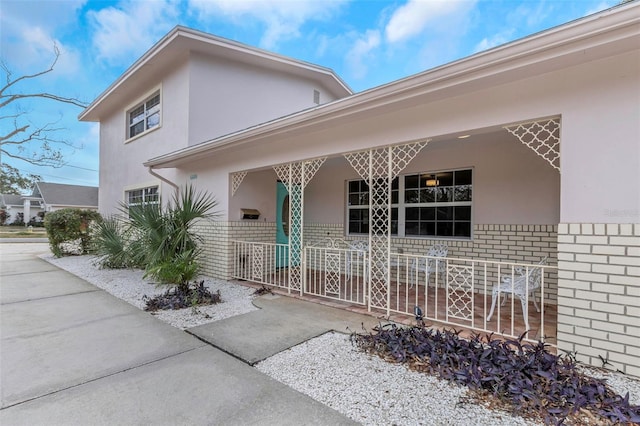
x=358, y=206
x=422, y=205
x=138, y=197
x=144, y=116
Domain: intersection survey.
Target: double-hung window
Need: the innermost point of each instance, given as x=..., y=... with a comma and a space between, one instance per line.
x=422, y=205
x=144, y=116
x=142, y=196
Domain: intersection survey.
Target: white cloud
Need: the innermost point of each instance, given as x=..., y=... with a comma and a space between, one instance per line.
x=123, y=33
x=282, y=18
x=493, y=41
x=29, y=33
x=361, y=52
x=416, y=16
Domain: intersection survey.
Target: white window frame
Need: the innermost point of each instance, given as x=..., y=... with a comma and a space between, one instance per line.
x=402, y=206
x=149, y=195
x=146, y=113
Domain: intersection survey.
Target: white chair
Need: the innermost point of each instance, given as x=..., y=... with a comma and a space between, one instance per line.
x=355, y=257
x=522, y=283
x=434, y=262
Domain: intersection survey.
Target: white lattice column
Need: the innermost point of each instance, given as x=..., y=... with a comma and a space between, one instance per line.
x=295, y=177
x=542, y=137
x=378, y=167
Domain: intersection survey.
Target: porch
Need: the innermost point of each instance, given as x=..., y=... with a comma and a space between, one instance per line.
x=456, y=293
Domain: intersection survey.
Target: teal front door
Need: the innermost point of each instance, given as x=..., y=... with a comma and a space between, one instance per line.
x=282, y=225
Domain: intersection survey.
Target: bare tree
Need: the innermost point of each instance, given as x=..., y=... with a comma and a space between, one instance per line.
x=35, y=144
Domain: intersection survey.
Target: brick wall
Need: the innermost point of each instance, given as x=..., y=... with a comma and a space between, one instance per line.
x=599, y=293
x=217, y=256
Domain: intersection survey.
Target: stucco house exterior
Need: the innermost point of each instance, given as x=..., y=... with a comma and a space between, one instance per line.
x=48, y=197
x=523, y=159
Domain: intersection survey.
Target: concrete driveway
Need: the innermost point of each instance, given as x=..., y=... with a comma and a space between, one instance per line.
x=71, y=354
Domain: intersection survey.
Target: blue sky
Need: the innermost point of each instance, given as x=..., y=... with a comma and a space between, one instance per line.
x=367, y=43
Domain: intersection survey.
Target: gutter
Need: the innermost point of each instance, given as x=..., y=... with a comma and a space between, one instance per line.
x=163, y=179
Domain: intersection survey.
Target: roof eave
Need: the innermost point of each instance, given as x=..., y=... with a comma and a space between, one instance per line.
x=541, y=49
x=331, y=79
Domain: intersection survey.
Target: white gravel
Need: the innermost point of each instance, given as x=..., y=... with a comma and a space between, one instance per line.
x=374, y=392
x=328, y=368
x=130, y=286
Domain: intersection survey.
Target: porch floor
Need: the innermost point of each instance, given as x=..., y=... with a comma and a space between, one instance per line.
x=434, y=311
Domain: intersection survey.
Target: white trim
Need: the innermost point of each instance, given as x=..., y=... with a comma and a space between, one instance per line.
x=141, y=185
x=186, y=39
x=557, y=48
x=140, y=101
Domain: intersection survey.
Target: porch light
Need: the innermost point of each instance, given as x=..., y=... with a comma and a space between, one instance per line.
x=433, y=182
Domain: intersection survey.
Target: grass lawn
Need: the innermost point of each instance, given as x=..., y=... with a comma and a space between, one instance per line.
x=22, y=232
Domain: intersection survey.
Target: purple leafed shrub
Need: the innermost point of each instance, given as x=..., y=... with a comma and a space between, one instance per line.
x=179, y=298
x=523, y=376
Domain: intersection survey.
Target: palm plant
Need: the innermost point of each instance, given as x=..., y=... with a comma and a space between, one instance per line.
x=110, y=244
x=166, y=240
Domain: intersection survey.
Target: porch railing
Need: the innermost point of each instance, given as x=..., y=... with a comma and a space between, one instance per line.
x=336, y=273
x=458, y=291
x=452, y=291
x=263, y=263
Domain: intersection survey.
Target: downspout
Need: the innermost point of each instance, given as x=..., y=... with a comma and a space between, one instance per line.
x=163, y=179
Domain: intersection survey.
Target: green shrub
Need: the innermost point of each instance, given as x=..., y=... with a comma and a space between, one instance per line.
x=68, y=230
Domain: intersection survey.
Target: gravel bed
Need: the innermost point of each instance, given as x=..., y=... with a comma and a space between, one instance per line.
x=329, y=368
x=130, y=286
x=374, y=392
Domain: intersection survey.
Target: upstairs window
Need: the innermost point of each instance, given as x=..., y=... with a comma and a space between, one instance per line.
x=144, y=116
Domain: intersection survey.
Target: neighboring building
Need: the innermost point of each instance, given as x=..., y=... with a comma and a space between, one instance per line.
x=13, y=205
x=47, y=197
x=525, y=152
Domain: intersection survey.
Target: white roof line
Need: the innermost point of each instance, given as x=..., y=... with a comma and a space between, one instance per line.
x=214, y=40
x=457, y=72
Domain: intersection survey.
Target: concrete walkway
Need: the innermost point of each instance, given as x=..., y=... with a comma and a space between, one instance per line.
x=72, y=354
x=281, y=323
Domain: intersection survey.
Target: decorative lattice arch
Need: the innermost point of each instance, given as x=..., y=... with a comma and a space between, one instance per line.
x=542, y=137
x=378, y=167
x=236, y=180
x=295, y=177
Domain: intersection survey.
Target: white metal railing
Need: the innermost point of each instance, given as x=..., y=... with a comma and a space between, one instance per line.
x=264, y=263
x=458, y=291
x=336, y=273
x=452, y=291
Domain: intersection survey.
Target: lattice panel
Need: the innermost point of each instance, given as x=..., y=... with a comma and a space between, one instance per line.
x=257, y=263
x=310, y=169
x=378, y=167
x=542, y=137
x=295, y=235
x=333, y=272
x=360, y=163
x=379, y=229
x=460, y=292
x=404, y=154
x=299, y=173
x=236, y=180
x=295, y=177
x=283, y=172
